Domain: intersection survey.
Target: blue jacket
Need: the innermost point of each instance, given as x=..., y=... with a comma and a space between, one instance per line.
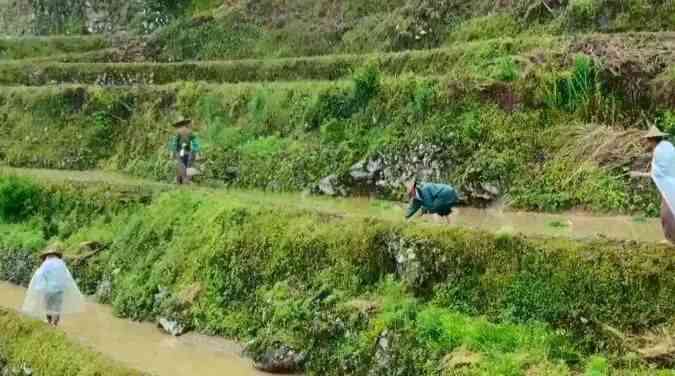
x=433, y=198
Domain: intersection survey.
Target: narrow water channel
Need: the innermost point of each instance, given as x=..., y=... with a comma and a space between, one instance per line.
x=142, y=346
x=494, y=219
x=568, y=225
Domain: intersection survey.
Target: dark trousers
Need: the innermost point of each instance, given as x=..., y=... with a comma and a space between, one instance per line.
x=182, y=164
x=667, y=222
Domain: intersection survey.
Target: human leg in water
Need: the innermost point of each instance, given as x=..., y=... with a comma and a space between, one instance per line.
x=53, y=320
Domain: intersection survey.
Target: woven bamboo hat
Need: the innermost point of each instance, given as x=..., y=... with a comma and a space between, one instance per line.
x=654, y=132
x=52, y=250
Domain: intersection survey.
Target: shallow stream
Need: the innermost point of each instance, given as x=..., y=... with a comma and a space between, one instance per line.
x=142, y=346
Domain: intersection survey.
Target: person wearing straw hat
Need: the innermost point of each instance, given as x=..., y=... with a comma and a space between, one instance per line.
x=663, y=174
x=431, y=198
x=52, y=291
x=184, y=147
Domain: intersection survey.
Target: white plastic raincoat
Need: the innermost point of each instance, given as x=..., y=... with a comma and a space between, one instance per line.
x=53, y=291
x=663, y=172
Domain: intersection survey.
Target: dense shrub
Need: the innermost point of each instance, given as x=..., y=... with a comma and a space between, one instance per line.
x=19, y=198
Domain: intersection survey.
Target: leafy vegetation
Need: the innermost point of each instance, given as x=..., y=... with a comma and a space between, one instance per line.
x=504, y=97
x=24, y=48
x=20, y=338
x=322, y=128
x=332, y=287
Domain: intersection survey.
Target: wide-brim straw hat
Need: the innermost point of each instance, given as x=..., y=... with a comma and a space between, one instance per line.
x=654, y=132
x=52, y=251
x=182, y=123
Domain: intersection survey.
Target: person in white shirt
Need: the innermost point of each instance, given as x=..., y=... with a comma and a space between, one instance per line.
x=662, y=172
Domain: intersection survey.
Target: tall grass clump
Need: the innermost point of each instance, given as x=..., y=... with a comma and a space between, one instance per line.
x=19, y=198
x=583, y=92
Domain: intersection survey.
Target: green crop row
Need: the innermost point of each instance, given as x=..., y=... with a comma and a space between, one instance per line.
x=35, y=47
x=480, y=59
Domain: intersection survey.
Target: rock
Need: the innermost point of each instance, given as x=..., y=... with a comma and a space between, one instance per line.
x=104, y=291
x=366, y=170
x=17, y=266
x=330, y=186
x=375, y=165
x=408, y=267
x=359, y=172
x=280, y=359
x=491, y=189
x=171, y=327
x=384, y=358
x=23, y=370
x=162, y=295
x=426, y=162
x=485, y=191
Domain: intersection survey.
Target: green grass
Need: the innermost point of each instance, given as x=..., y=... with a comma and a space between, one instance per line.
x=318, y=128
x=300, y=28
x=271, y=271
x=476, y=59
x=35, y=47
x=29, y=343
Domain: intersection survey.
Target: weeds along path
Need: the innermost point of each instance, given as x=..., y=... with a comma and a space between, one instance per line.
x=495, y=219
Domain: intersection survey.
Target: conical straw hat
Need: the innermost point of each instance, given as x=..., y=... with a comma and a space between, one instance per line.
x=53, y=250
x=654, y=132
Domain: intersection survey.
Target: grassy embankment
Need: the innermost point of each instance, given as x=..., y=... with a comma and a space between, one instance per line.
x=35, y=47
x=334, y=286
x=32, y=345
x=501, y=101
x=526, y=131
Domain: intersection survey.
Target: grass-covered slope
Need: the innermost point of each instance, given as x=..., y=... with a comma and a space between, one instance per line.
x=531, y=137
x=357, y=295
x=31, y=345
x=492, y=59
x=270, y=28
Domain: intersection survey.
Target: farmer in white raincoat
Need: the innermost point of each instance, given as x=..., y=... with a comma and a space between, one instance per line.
x=52, y=291
x=663, y=175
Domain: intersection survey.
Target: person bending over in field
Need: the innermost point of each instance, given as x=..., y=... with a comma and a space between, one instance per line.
x=431, y=198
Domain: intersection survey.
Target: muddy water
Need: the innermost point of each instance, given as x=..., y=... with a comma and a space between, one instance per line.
x=142, y=346
x=564, y=225
x=495, y=219
x=499, y=219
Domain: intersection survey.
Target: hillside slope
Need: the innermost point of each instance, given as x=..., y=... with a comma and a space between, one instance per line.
x=520, y=100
